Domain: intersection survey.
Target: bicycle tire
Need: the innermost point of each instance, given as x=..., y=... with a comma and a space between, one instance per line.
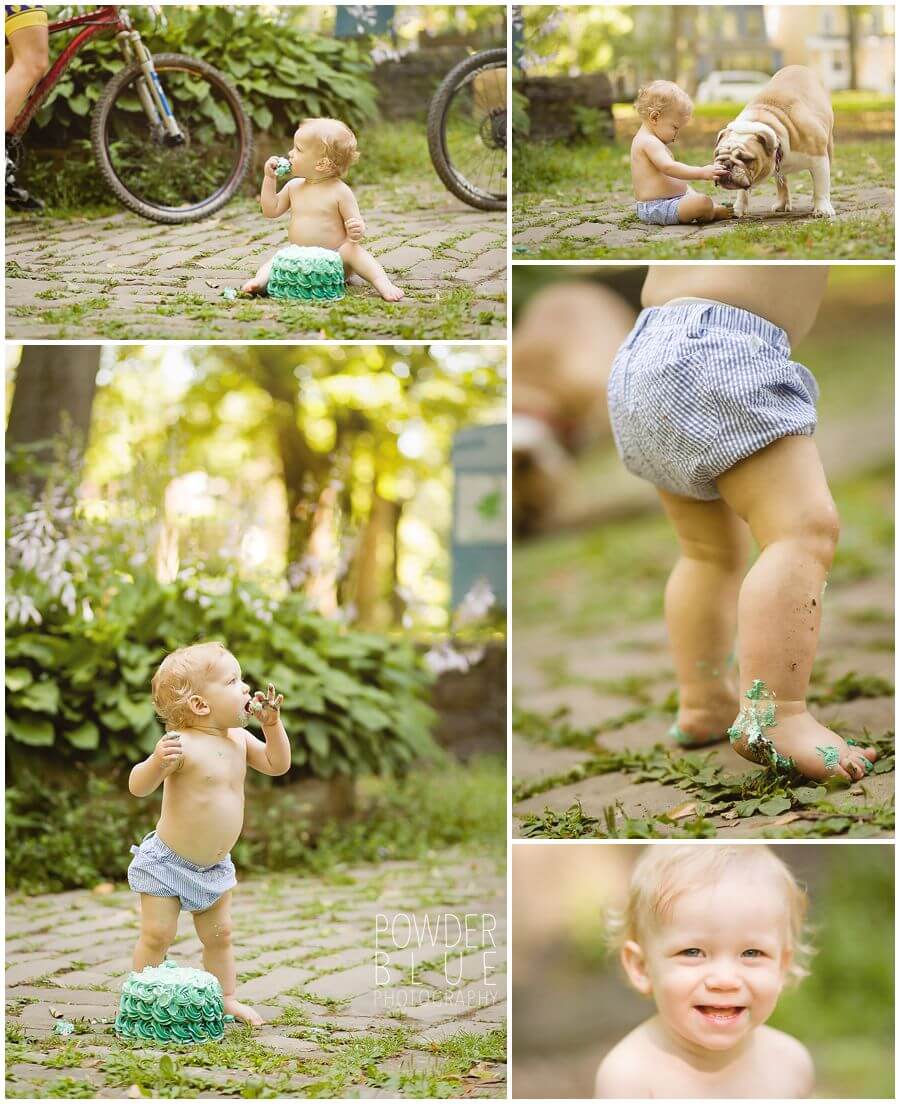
x=164, y=214
x=436, y=147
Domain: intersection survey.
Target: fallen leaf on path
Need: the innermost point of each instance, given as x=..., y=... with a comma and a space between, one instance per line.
x=211, y=283
x=788, y=818
x=689, y=808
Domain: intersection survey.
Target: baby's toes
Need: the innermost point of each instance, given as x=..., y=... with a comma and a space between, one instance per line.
x=856, y=766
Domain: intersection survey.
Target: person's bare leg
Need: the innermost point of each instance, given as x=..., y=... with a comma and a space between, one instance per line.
x=30, y=61
x=214, y=932
x=362, y=262
x=701, y=614
x=782, y=493
x=159, y=926
x=260, y=281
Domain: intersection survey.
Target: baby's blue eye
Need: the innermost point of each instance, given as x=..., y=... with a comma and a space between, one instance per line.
x=691, y=952
x=754, y=952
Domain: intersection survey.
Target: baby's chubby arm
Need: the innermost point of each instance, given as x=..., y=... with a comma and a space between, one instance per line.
x=165, y=759
x=350, y=213
x=661, y=159
x=273, y=756
x=274, y=204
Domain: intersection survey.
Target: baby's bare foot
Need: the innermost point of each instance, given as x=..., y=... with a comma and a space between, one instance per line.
x=720, y=211
x=253, y=287
x=704, y=716
x=785, y=735
x=242, y=1012
x=387, y=290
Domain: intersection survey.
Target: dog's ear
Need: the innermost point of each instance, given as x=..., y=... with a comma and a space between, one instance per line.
x=767, y=141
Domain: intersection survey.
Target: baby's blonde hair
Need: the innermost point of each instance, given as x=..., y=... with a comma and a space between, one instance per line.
x=179, y=677
x=659, y=95
x=664, y=872
x=338, y=143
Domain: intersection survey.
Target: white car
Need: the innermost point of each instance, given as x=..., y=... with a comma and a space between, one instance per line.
x=733, y=85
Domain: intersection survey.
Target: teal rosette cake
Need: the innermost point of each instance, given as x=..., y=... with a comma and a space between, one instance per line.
x=306, y=272
x=282, y=167
x=171, y=1004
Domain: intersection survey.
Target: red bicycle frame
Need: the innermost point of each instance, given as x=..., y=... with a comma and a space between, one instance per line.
x=95, y=23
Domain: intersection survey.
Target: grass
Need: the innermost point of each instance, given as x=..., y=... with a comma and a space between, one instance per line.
x=561, y=186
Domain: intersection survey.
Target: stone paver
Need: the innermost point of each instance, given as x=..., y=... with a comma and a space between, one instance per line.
x=124, y=277
x=317, y=983
x=609, y=223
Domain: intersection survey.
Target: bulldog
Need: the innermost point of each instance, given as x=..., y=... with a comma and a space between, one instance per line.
x=788, y=126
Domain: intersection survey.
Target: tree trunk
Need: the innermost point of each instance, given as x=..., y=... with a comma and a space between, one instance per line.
x=53, y=397
x=368, y=577
x=852, y=42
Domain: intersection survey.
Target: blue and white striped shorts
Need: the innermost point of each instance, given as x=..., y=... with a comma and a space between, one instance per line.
x=696, y=388
x=659, y=212
x=156, y=869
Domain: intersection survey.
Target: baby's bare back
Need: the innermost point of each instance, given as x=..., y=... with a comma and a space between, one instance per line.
x=646, y=179
x=203, y=801
x=315, y=215
x=786, y=295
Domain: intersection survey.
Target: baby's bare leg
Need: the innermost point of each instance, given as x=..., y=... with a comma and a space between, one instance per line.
x=782, y=493
x=362, y=262
x=701, y=208
x=214, y=931
x=258, y=284
x=159, y=926
x=701, y=614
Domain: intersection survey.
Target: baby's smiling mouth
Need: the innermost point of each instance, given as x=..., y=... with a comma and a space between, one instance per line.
x=720, y=1013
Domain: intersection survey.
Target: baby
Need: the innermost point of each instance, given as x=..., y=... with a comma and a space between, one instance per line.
x=663, y=198
x=201, y=761
x=712, y=933
x=706, y=404
x=324, y=211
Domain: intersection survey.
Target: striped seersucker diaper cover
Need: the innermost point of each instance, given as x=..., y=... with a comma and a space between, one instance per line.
x=158, y=870
x=696, y=388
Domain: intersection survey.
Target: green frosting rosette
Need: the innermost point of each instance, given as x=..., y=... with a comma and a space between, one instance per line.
x=306, y=272
x=171, y=1004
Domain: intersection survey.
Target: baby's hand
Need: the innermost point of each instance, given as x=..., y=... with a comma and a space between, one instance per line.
x=168, y=754
x=270, y=167
x=355, y=228
x=266, y=707
x=714, y=171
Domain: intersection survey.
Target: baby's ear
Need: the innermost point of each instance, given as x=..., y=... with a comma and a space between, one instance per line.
x=635, y=966
x=198, y=705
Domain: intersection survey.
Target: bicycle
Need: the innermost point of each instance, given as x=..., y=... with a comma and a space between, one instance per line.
x=467, y=130
x=169, y=133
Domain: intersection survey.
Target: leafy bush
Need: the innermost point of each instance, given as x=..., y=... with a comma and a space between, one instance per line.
x=74, y=836
x=283, y=74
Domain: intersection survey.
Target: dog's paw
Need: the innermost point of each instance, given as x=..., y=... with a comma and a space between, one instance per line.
x=741, y=205
x=822, y=209
x=779, y=208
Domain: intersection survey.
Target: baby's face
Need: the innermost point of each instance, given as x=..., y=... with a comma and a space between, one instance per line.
x=226, y=693
x=667, y=124
x=717, y=965
x=308, y=151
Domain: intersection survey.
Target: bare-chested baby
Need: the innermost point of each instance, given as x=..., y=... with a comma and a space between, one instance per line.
x=201, y=761
x=712, y=934
x=323, y=208
x=706, y=404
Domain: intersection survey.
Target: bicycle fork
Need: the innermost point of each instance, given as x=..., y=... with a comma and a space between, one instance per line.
x=149, y=89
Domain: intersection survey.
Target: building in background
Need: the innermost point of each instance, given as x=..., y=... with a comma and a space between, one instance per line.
x=847, y=46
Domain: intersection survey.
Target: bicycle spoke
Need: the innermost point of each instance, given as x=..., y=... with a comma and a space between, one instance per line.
x=474, y=132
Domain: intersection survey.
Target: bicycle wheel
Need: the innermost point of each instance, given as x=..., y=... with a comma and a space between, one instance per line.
x=467, y=130
x=166, y=182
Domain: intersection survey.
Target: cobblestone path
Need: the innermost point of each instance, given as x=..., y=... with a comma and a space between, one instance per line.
x=421, y=1019
x=609, y=227
x=123, y=277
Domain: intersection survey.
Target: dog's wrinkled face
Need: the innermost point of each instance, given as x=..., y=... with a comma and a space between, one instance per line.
x=748, y=158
